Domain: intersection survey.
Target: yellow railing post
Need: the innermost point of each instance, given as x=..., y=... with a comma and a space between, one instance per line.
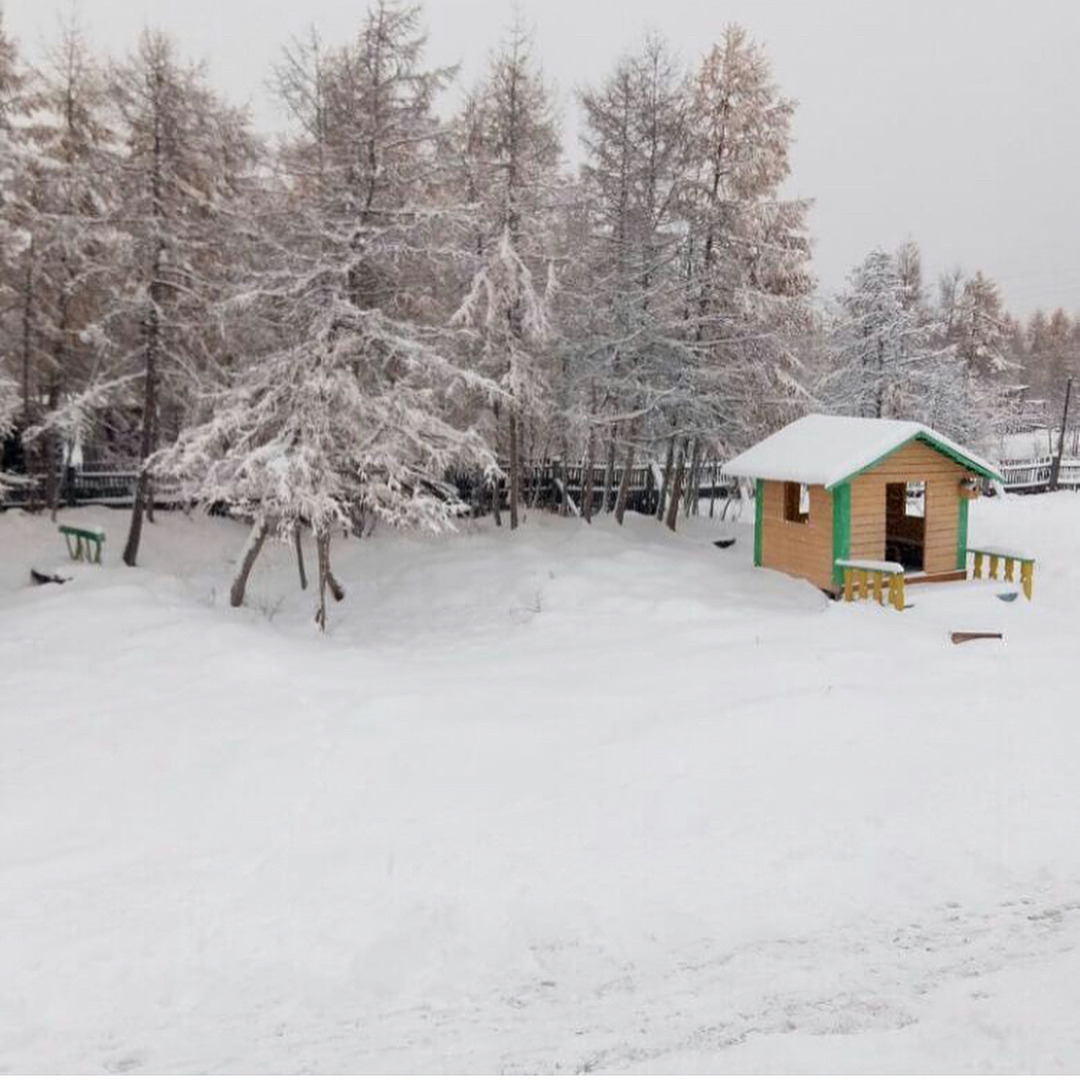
x=848, y=582
x=899, y=601
x=1008, y=569
x=1027, y=575
x=978, y=564
x=877, y=586
x=994, y=560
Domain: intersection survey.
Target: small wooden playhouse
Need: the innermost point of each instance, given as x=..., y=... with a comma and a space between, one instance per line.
x=852, y=503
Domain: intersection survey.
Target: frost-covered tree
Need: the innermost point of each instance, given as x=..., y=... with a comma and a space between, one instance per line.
x=635, y=139
x=69, y=188
x=18, y=263
x=343, y=403
x=344, y=420
x=885, y=342
x=512, y=157
x=979, y=327
x=1052, y=353
x=9, y=408
x=186, y=155
x=746, y=259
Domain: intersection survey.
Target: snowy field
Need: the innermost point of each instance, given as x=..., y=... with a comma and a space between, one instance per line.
x=567, y=800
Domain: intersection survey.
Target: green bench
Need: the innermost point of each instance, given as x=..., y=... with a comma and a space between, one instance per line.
x=84, y=543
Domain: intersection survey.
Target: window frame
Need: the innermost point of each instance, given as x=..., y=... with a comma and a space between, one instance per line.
x=908, y=485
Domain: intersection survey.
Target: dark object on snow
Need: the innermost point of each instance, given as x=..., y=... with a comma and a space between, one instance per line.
x=724, y=543
x=38, y=578
x=959, y=637
x=1008, y=597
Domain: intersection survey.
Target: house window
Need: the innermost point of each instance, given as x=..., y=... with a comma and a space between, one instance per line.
x=915, y=499
x=796, y=503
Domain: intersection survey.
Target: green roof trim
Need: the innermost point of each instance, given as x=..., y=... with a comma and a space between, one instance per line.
x=841, y=529
x=759, y=519
x=928, y=440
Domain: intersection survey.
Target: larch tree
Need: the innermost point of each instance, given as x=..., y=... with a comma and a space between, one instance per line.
x=746, y=258
x=513, y=154
x=979, y=328
x=70, y=187
x=341, y=407
x=18, y=255
x=884, y=341
x=635, y=139
x=185, y=155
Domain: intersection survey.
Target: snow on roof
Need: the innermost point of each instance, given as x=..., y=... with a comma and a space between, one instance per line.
x=829, y=449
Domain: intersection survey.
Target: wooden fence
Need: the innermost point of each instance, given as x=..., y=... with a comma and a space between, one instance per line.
x=91, y=485
x=1032, y=476
x=554, y=484
x=549, y=484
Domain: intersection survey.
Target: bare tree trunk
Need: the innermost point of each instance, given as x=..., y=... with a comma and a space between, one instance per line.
x=609, y=469
x=322, y=550
x=27, y=366
x=560, y=470
x=712, y=490
x=146, y=444
x=54, y=457
x=665, y=482
x=676, y=487
x=624, y=481
x=515, y=469
x=151, y=343
x=690, y=499
x=256, y=538
x=587, y=476
x=299, y=555
x=337, y=590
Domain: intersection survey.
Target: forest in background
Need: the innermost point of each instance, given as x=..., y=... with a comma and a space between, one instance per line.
x=324, y=329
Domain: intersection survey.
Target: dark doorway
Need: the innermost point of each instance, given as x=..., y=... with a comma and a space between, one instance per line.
x=905, y=523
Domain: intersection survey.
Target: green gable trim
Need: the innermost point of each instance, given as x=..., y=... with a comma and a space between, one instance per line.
x=759, y=519
x=962, y=534
x=922, y=437
x=841, y=529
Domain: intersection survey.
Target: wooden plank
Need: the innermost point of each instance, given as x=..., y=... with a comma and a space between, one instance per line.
x=960, y=636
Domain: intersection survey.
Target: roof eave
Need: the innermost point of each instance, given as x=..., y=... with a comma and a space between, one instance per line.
x=929, y=440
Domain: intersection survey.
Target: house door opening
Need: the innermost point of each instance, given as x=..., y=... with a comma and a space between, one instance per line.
x=905, y=524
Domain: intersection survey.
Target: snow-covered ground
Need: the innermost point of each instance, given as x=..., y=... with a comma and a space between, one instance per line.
x=564, y=800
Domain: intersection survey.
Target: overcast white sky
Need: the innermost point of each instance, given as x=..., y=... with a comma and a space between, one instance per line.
x=956, y=122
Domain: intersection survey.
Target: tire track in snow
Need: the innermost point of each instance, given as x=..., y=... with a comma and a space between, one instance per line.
x=863, y=979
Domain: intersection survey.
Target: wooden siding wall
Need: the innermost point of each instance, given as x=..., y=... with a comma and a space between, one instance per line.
x=915, y=461
x=801, y=549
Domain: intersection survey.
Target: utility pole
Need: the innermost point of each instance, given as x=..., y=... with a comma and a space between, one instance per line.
x=1055, y=469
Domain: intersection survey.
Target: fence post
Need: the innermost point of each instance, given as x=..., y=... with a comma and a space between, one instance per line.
x=1055, y=469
